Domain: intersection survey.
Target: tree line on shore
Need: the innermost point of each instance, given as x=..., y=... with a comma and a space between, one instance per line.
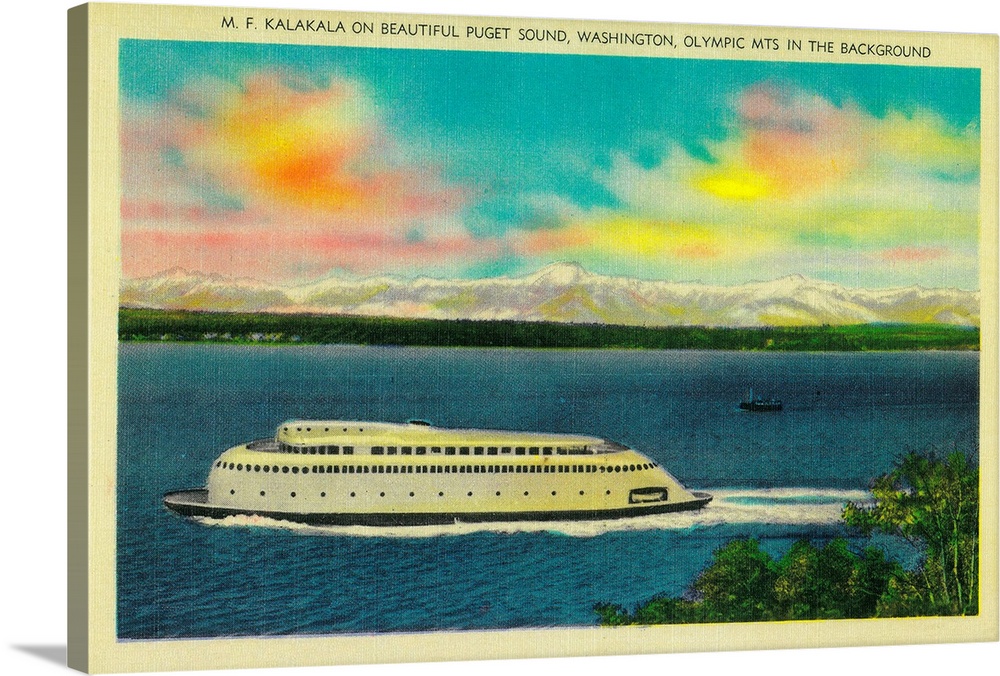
x=244, y=328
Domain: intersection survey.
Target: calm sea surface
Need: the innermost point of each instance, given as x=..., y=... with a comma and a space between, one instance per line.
x=778, y=477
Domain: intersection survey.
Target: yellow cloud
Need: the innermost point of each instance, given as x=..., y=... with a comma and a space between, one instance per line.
x=736, y=184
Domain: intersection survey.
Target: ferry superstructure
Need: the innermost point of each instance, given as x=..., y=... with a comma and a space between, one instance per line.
x=390, y=474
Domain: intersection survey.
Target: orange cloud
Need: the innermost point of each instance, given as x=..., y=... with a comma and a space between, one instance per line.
x=314, y=150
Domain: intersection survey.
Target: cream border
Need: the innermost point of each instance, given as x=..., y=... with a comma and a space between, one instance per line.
x=93, y=646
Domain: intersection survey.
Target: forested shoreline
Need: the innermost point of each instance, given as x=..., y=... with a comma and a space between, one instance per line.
x=148, y=325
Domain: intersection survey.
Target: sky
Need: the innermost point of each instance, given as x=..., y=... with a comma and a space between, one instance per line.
x=287, y=164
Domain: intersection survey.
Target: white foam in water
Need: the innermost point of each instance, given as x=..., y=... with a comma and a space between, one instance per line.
x=778, y=506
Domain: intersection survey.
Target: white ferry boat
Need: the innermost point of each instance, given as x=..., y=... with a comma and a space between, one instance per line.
x=389, y=474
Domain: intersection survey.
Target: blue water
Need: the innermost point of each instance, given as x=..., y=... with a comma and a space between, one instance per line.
x=776, y=476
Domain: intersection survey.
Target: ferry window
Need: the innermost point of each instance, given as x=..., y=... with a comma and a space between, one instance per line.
x=547, y=450
x=313, y=450
x=493, y=450
x=435, y=449
x=607, y=492
x=349, y=469
x=275, y=469
x=553, y=492
x=519, y=450
x=440, y=494
x=449, y=450
x=256, y=468
x=469, y=494
x=284, y=470
x=262, y=494
x=447, y=469
x=533, y=450
x=390, y=450
x=364, y=469
x=232, y=491
x=526, y=493
x=464, y=450
x=498, y=493
x=382, y=494
x=239, y=466
x=321, y=469
x=267, y=468
x=411, y=494
x=293, y=494
x=395, y=469
x=581, y=492
x=323, y=494
x=305, y=470
x=406, y=450
x=478, y=450
x=335, y=469
x=506, y=449
x=295, y=470
x=380, y=469
x=422, y=450
x=560, y=450
x=352, y=494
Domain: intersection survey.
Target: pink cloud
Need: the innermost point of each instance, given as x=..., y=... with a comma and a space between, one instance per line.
x=281, y=254
x=913, y=254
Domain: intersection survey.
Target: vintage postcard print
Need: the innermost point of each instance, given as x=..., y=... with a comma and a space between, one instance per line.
x=424, y=338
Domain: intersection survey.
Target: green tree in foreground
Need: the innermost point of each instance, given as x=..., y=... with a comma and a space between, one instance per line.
x=933, y=504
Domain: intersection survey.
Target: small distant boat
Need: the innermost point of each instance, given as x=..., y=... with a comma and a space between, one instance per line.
x=759, y=405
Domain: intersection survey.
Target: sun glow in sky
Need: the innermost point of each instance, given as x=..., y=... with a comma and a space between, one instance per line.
x=290, y=163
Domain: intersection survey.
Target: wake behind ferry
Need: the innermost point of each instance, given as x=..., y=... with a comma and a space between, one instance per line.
x=338, y=472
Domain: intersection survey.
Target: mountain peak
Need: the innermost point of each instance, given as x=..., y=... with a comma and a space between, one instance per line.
x=560, y=274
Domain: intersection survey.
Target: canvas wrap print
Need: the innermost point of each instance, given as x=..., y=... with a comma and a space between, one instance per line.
x=460, y=337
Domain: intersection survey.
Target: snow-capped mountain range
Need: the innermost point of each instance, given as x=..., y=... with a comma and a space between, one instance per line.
x=564, y=292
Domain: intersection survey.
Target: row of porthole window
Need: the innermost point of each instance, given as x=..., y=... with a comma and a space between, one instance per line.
x=232, y=491
x=479, y=450
x=315, y=450
x=325, y=429
x=436, y=469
